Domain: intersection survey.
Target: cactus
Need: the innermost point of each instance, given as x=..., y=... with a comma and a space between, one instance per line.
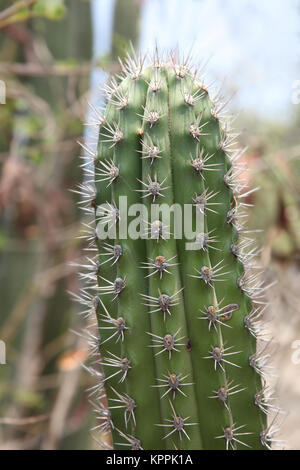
x=175, y=349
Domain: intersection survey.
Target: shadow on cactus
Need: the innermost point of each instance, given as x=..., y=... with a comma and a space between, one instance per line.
x=174, y=350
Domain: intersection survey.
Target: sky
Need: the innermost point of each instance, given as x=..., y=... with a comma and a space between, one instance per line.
x=252, y=46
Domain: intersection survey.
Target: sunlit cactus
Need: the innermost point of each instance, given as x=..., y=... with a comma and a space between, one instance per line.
x=175, y=348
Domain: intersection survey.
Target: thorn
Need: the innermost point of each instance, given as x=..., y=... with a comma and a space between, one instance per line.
x=124, y=401
x=109, y=214
x=88, y=150
x=196, y=129
x=182, y=66
x=92, y=268
x=202, y=203
x=268, y=434
x=173, y=383
x=89, y=234
x=116, y=287
x=87, y=192
x=177, y=423
x=99, y=387
x=156, y=231
x=115, y=95
x=162, y=303
x=150, y=151
x=108, y=172
x=204, y=241
x=226, y=391
x=114, y=253
x=209, y=275
x=260, y=361
x=133, y=65
x=88, y=301
x=119, y=325
x=155, y=84
x=123, y=364
x=131, y=441
x=160, y=265
x=219, y=354
x=114, y=134
x=190, y=97
x=152, y=117
x=266, y=401
x=216, y=315
x=199, y=163
x=93, y=341
x=230, y=435
x=168, y=343
x=103, y=415
x=153, y=187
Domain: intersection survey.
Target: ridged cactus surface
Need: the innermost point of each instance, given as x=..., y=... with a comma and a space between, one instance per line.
x=176, y=354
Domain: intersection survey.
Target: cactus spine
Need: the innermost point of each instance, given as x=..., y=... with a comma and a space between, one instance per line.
x=177, y=328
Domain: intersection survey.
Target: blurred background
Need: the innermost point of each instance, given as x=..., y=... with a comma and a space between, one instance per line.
x=54, y=55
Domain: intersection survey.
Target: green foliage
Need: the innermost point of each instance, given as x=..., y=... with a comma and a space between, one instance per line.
x=26, y=9
x=53, y=10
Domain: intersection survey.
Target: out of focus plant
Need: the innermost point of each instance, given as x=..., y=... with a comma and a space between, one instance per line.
x=46, y=68
x=41, y=122
x=23, y=10
x=274, y=162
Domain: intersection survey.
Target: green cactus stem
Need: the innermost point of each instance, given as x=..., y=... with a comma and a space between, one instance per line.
x=178, y=317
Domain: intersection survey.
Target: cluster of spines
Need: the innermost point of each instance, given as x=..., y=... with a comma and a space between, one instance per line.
x=170, y=111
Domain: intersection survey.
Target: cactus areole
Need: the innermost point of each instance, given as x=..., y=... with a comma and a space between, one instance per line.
x=176, y=355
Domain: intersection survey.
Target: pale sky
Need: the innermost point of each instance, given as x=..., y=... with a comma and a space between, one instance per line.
x=254, y=45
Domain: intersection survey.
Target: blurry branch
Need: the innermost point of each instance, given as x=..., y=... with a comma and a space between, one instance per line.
x=35, y=69
x=24, y=421
x=50, y=349
x=21, y=444
x=68, y=384
x=13, y=9
x=51, y=381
